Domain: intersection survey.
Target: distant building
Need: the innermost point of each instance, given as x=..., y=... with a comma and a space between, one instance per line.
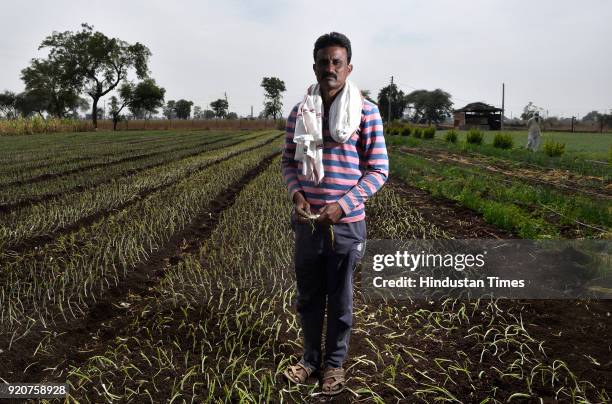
x=478, y=115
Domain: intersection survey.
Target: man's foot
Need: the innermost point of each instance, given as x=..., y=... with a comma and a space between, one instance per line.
x=298, y=373
x=333, y=382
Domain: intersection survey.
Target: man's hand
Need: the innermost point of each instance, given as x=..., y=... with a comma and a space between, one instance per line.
x=330, y=214
x=302, y=207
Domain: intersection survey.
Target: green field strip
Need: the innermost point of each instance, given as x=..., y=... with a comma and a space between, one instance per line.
x=15, y=149
x=90, y=154
x=63, y=275
x=507, y=204
x=518, y=157
x=16, y=196
x=45, y=218
x=107, y=157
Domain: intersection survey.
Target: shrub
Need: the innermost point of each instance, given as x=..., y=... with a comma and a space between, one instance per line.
x=503, y=141
x=553, y=149
x=406, y=130
x=474, y=136
x=429, y=133
x=394, y=131
x=417, y=132
x=451, y=136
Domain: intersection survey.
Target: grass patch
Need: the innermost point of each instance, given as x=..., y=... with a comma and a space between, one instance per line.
x=521, y=208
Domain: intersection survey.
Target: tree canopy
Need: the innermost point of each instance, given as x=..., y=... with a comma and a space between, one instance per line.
x=183, y=109
x=91, y=62
x=430, y=106
x=273, y=104
x=50, y=87
x=220, y=107
x=398, y=102
x=147, y=97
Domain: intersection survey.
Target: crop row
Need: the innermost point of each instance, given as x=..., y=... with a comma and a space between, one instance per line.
x=65, y=274
x=529, y=210
x=72, y=162
x=222, y=328
x=22, y=194
x=16, y=150
x=52, y=215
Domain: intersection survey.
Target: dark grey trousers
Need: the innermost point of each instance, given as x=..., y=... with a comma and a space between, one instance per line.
x=324, y=271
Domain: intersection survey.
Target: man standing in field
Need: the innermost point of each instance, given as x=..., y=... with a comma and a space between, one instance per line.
x=334, y=159
x=533, y=135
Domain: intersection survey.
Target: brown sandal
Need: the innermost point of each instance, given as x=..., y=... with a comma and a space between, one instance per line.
x=298, y=374
x=333, y=382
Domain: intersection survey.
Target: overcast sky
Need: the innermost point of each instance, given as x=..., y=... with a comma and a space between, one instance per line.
x=554, y=53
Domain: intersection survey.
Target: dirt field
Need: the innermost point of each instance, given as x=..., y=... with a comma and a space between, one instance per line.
x=168, y=276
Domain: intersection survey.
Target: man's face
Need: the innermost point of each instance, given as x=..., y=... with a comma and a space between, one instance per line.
x=332, y=68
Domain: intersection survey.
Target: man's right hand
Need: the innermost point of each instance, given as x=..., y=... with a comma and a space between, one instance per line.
x=302, y=207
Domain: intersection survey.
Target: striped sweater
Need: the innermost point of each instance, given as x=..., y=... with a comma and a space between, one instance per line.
x=354, y=170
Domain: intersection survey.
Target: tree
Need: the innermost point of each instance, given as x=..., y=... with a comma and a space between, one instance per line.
x=7, y=105
x=126, y=95
x=430, y=106
x=208, y=114
x=147, y=97
x=398, y=102
x=31, y=102
x=529, y=110
x=274, y=87
x=220, y=107
x=592, y=116
x=232, y=115
x=183, y=109
x=54, y=89
x=94, y=61
x=197, y=112
x=170, y=109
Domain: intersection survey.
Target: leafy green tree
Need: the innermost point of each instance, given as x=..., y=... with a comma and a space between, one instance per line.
x=274, y=89
x=7, y=105
x=183, y=109
x=126, y=95
x=398, y=102
x=208, y=114
x=592, y=116
x=54, y=90
x=170, y=109
x=147, y=97
x=32, y=102
x=220, y=107
x=197, y=112
x=430, y=106
x=94, y=61
x=232, y=115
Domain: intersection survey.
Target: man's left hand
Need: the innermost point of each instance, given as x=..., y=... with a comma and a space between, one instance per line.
x=330, y=214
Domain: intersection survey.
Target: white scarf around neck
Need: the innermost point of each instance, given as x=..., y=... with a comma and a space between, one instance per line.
x=344, y=120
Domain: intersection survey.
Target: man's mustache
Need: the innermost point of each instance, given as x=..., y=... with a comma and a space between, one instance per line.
x=330, y=75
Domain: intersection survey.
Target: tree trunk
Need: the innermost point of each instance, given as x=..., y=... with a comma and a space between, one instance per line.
x=115, y=124
x=94, y=112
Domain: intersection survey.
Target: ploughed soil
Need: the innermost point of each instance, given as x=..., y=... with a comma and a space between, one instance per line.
x=563, y=180
x=77, y=340
x=573, y=331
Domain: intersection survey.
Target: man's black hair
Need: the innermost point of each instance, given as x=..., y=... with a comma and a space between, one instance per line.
x=333, y=39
